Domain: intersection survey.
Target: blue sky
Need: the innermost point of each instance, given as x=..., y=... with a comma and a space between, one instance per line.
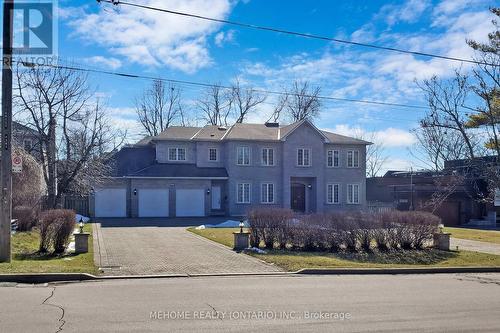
x=145, y=42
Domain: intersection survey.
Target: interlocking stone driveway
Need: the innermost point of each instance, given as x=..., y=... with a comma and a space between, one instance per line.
x=167, y=250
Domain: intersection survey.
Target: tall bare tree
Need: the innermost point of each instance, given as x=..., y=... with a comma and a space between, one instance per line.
x=302, y=101
x=435, y=145
x=446, y=99
x=245, y=101
x=376, y=156
x=158, y=107
x=72, y=129
x=216, y=105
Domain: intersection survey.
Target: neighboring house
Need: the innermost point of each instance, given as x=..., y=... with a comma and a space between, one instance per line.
x=25, y=137
x=192, y=171
x=461, y=197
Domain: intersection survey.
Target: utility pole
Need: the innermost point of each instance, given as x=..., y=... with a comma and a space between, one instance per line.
x=6, y=132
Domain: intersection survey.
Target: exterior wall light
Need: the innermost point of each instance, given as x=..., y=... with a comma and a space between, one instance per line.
x=135, y=191
x=208, y=191
x=309, y=186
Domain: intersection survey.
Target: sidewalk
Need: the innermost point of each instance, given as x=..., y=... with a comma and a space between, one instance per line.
x=470, y=245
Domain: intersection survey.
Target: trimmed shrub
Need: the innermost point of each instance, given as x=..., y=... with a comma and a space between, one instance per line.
x=352, y=231
x=56, y=226
x=270, y=225
x=26, y=218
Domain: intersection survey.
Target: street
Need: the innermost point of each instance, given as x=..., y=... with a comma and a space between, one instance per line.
x=375, y=303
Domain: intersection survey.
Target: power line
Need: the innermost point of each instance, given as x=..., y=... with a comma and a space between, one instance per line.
x=209, y=85
x=295, y=33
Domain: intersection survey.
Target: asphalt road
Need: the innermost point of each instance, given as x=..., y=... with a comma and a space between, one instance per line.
x=376, y=303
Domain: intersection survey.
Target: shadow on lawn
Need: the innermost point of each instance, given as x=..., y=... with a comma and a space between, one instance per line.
x=405, y=257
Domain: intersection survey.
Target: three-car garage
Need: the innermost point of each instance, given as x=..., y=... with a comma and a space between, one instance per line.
x=150, y=202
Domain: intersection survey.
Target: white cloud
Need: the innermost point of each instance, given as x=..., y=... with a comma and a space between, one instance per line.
x=410, y=11
x=224, y=37
x=125, y=118
x=389, y=137
x=154, y=38
x=109, y=62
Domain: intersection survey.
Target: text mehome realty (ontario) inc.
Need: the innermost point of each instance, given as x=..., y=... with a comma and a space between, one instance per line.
x=249, y=315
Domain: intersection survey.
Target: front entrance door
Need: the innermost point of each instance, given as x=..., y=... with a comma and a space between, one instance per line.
x=215, y=197
x=298, y=198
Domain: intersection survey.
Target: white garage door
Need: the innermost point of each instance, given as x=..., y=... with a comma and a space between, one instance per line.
x=111, y=202
x=153, y=202
x=190, y=202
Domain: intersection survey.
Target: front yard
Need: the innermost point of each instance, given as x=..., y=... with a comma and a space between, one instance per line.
x=490, y=236
x=292, y=260
x=26, y=259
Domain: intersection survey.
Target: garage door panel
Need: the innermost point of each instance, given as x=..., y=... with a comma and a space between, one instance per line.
x=111, y=202
x=190, y=202
x=153, y=202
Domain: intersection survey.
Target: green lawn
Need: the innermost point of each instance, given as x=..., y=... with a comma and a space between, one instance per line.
x=293, y=261
x=219, y=235
x=25, y=258
x=490, y=236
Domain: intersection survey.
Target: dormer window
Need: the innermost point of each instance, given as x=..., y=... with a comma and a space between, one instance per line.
x=176, y=154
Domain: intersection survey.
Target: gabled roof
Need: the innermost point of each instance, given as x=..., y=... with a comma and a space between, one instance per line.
x=178, y=133
x=245, y=131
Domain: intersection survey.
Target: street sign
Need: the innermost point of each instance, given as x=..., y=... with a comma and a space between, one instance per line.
x=17, y=164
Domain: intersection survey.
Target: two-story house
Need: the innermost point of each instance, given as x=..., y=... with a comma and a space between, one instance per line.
x=192, y=171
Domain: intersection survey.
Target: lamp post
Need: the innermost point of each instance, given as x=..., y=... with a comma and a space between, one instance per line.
x=242, y=224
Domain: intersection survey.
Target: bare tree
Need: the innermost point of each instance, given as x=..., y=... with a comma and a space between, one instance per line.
x=72, y=128
x=216, y=105
x=278, y=108
x=446, y=99
x=435, y=145
x=245, y=100
x=376, y=156
x=158, y=107
x=302, y=101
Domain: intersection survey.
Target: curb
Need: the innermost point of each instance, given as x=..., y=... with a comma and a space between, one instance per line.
x=396, y=271
x=69, y=277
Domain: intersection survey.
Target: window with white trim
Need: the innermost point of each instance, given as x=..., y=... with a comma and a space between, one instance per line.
x=332, y=193
x=243, y=193
x=332, y=158
x=268, y=156
x=353, y=158
x=176, y=154
x=267, y=193
x=212, y=155
x=304, y=157
x=243, y=155
x=353, y=193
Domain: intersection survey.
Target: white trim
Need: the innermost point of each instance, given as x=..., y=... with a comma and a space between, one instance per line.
x=333, y=158
x=249, y=193
x=347, y=162
x=333, y=194
x=198, y=132
x=262, y=157
x=274, y=193
x=176, y=154
x=347, y=194
x=249, y=156
x=216, y=154
x=297, y=157
x=300, y=123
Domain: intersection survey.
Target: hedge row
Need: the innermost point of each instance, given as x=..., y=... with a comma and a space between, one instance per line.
x=277, y=228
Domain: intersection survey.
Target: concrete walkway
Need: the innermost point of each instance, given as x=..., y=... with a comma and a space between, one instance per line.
x=167, y=250
x=476, y=246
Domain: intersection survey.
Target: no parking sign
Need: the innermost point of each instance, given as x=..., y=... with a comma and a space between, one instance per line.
x=17, y=163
